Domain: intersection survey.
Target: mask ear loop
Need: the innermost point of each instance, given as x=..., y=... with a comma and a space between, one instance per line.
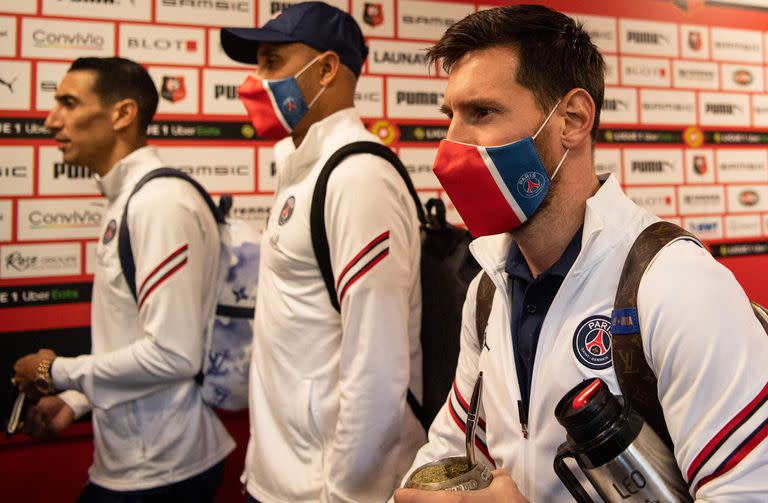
x=539, y=131
x=302, y=71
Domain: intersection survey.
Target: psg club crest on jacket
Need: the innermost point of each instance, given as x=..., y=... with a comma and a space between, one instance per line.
x=287, y=211
x=373, y=14
x=592, y=342
x=109, y=232
x=173, y=88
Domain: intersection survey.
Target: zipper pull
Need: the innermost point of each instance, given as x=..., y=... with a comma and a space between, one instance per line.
x=522, y=412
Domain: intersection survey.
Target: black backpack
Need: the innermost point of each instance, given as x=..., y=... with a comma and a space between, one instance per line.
x=636, y=379
x=447, y=267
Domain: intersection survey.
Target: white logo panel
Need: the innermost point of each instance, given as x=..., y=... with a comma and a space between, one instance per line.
x=369, y=96
x=376, y=18
x=647, y=72
x=742, y=165
x=43, y=219
x=760, y=110
x=59, y=178
x=6, y=215
x=653, y=166
x=701, y=200
x=15, y=83
x=398, y=58
x=268, y=9
x=220, y=92
x=694, y=41
x=419, y=163
x=667, y=107
x=7, y=36
x=694, y=74
x=60, y=39
x=134, y=10
x=415, y=98
x=90, y=257
x=428, y=20
x=601, y=30
x=611, y=70
x=16, y=170
x=254, y=210
x=177, y=88
x=619, y=106
x=720, y=109
x=209, y=12
x=742, y=226
x=36, y=261
x=737, y=45
x=218, y=169
x=647, y=37
x=742, y=78
x=658, y=200
x=267, y=170
x=747, y=198
x=156, y=44
x=48, y=77
x=705, y=227
x=608, y=160
x=699, y=165
x=216, y=54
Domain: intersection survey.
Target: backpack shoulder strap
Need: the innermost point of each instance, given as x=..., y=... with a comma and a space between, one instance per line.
x=483, y=303
x=124, y=236
x=636, y=379
x=317, y=210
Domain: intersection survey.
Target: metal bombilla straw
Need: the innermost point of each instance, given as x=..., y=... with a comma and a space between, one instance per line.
x=474, y=405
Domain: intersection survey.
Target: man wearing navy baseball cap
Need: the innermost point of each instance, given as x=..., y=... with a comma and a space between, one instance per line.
x=332, y=360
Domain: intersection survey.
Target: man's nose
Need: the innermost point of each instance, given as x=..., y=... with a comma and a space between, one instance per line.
x=53, y=121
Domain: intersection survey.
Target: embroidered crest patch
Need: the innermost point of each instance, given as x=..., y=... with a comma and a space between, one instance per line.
x=592, y=342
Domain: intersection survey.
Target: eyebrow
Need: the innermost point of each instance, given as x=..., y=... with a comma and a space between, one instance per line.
x=470, y=104
x=62, y=97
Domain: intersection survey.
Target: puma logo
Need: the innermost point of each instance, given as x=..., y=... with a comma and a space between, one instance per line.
x=9, y=85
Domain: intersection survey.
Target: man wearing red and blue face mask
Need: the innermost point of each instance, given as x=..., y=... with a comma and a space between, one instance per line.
x=524, y=93
x=329, y=420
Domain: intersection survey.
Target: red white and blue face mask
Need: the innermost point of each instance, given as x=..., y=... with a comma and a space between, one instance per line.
x=494, y=189
x=275, y=106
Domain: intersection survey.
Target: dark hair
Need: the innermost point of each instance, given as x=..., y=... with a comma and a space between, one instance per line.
x=556, y=54
x=120, y=78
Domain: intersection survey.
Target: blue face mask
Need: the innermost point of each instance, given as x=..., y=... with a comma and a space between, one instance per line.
x=494, y=189
x=275, y=106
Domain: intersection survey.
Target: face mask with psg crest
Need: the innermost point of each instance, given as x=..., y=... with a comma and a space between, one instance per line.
x=275, y=106
x=494, y=189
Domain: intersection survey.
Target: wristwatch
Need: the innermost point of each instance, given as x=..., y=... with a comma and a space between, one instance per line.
x=43, y=379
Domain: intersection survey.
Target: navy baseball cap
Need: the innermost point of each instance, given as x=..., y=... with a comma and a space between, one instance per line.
x=316, y=24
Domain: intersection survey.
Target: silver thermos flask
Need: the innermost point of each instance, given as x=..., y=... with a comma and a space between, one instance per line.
x=621, y=456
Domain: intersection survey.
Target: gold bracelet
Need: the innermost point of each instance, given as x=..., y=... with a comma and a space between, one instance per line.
x=43, y=379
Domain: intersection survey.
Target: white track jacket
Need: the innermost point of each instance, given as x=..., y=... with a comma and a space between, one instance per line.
x=329, y=419
x=150, y=425
x=699, y=336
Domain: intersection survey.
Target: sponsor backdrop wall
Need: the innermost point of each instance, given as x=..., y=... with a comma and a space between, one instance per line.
x=684, y=124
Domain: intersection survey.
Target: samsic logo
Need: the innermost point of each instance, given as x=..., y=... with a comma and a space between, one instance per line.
x=443, y=22
x=700, y=75
x=215, y=5
x=106, y=2
x=87, y=41
x=162, y=44
x=722, y=109
x=215, y=170
x=9, y=171
x=648, y=38
x=418, y=98
x=702, y=199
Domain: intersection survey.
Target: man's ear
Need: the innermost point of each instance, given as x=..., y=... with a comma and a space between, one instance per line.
x=329, y=67
x=579, y=117
x=124, y=113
